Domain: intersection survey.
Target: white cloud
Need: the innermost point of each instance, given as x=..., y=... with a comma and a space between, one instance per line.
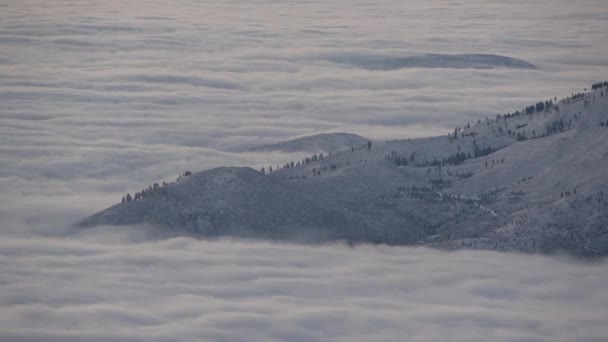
x=123, y=87
x=117, y=284
x=98, y=99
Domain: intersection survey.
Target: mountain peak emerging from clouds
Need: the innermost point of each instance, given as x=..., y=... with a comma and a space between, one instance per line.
x=533, y=181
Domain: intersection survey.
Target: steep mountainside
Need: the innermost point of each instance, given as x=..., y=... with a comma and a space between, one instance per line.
x=533, y=181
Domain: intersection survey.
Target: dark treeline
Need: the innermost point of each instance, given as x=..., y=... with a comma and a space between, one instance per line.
x=482, y=151
x=401, y=160
x=545, y=106
x=539, y=107
x=599, y=85
x=557, y=126
x=152, y=189
x=312, y=159
x=454, y=159
x=290, y=165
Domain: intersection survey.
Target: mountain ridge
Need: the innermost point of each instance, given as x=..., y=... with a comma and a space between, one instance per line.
x=532, y=181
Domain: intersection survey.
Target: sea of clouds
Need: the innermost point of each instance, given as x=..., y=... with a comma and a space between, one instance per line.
x=100, y=98
x=123, y=285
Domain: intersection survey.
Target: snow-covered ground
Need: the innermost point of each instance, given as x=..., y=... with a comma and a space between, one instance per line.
x=533, y=182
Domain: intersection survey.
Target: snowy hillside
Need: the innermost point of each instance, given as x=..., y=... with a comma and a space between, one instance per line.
x=326, y=142
x=535, y=180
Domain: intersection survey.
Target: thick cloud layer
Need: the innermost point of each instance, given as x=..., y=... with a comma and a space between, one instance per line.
x=112, y=96
x=120, y=286
x=99, y=98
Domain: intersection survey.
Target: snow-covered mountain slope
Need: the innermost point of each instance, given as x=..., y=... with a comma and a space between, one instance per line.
x=242, y=202
x=535, y=182
x=325, y=143
x=465, y=61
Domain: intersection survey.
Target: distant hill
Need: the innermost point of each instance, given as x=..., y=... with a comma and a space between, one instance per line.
x=325, y=142
x=464, y=61
x=533, y=181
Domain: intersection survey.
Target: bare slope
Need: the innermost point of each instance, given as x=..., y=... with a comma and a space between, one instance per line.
x=535, y=182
